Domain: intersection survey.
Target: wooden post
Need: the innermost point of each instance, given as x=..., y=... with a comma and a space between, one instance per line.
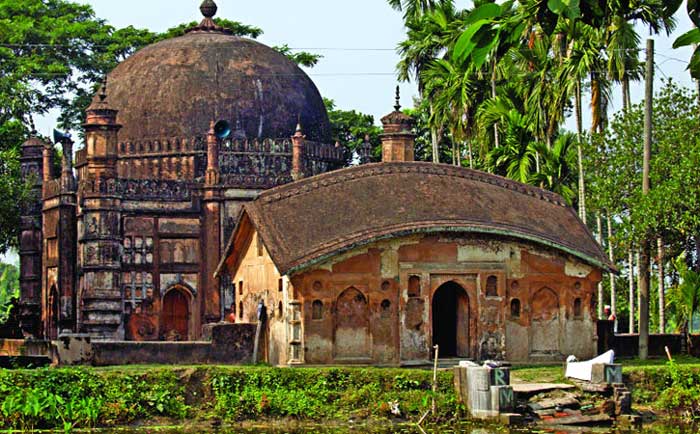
x=435, y=365
x=599, y=237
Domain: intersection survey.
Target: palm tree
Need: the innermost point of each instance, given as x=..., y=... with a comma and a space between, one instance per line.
x=429, y=26
x=414, y=9
x=685, y=297
x=555, y=172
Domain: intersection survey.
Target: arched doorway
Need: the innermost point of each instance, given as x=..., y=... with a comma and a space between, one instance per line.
x=352, y=340
x=54, y=314
x=545, y=328
x=451, y=320
x=176, y=315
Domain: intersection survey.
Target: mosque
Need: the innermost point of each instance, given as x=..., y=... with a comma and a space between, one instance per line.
x=208, y=188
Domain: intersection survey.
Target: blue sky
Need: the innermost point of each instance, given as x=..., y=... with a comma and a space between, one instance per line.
x=357, y=39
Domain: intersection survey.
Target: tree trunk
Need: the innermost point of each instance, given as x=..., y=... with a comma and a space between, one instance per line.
x=632, y=301
x=625, y=92
x=434, y=140
x=599, y=237
x=496, y=140
x=646, y=245
x=471, y=154
x=639, y=285
x=662, y=295
x=611, y=255
x=581, y=183
x=595, y=103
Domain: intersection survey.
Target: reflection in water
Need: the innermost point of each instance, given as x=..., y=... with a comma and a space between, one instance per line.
x=463, y=427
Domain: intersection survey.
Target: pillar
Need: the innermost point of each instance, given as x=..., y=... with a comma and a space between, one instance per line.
x=30, y=240
x=298, y=154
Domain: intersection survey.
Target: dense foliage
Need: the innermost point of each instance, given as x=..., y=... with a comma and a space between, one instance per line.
x=351, y=129
x=68, y=398
x=9, y=289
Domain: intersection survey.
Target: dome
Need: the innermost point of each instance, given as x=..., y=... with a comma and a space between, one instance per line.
x=174, y=88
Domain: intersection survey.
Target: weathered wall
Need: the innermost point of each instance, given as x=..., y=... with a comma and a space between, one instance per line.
x=256, y=280
x=376, y=304
x=231, y=344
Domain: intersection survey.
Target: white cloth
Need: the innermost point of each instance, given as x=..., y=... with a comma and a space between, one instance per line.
x=582, y=370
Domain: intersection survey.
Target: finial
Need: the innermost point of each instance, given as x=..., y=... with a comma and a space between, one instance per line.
x=103, y=90
x=208, y=8
x=298, y=130
x=398, y=98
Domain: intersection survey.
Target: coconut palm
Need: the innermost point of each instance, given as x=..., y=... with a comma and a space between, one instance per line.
x=414, y=9
x=428, y=35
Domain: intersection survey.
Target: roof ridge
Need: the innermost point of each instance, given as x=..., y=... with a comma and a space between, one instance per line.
x=307, y=185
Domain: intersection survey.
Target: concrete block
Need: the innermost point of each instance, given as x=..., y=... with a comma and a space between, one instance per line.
x=500, y=376
x=603, y=373
x=510, y=418
x=73, y=349
x=502, y=399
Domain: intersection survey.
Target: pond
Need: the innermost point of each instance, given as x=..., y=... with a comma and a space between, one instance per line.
x=463, y=427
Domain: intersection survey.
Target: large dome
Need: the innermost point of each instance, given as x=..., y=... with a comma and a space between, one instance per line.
x=174, y=88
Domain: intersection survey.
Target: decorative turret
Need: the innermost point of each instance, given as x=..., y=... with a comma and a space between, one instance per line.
x=213, y=172
x=101, y=131
x=298, y=153
x=398, y=140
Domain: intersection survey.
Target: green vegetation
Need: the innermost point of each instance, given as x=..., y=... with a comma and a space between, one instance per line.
x=9, y=289
x=81, y=397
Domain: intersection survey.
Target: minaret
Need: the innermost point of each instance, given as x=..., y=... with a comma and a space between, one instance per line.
x=398, y=140
x=30, y=240
x=298, y=153
x=99, y=238
x=211, y=231
x=101, y=130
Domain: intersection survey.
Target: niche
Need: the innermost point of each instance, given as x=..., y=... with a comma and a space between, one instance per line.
x=386, y=309
x=515, y=308
x=317, y=310
x=577, y=309
x=414, y=286
x=492, y=286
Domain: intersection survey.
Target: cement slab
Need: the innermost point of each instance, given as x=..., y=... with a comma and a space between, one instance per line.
x=532, y=388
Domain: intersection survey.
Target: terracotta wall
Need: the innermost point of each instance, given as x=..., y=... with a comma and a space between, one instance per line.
x=374, y=304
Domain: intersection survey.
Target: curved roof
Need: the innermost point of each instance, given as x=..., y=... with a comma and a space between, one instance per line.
x=174, y=88
x=308, y=221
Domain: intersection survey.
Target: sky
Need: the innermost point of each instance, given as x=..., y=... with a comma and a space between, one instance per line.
x=357, y=38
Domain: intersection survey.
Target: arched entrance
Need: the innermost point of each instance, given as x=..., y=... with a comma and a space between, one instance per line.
x=352, y=340
x=54, y=314
x=545, y=328
x=176, y=315
x=451, y=320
